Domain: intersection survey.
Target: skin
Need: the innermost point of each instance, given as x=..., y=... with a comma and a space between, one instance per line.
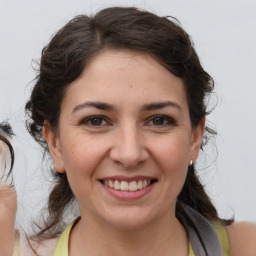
x=130, y=140
x=7, y=218
x=4, y=156
x=242, y=237
x=7, y=207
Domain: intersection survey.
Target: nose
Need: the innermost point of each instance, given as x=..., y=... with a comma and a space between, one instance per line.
x=128, y=147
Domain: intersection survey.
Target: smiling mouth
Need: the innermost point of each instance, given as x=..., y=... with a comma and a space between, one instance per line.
x=130, y=186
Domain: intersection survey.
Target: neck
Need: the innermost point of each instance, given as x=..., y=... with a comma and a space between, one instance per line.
x=91, y=238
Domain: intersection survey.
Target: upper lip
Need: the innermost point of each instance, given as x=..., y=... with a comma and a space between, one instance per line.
x=128, y=179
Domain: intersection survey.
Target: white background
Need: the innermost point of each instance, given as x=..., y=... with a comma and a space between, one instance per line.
x=224, y=34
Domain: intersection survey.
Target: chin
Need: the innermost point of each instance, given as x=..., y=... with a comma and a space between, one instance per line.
x=126, y=224
x=130, y=220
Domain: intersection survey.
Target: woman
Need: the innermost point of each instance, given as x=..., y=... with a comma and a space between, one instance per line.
x=119, y=103
x=7, y=193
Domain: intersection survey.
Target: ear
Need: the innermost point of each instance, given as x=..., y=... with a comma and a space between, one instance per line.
x=196, y=139
x=54, y=146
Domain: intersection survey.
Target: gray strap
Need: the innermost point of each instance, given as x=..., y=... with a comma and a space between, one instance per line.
x=202, y=235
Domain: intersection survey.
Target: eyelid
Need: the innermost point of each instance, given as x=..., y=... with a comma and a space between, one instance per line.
x=85, y=120
x=171, y=121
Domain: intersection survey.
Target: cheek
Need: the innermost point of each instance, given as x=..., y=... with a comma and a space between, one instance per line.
x=172, y=155
x=82, y=157
x=80, y=161
x=172, y=151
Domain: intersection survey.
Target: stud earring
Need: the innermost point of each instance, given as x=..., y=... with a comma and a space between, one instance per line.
x=191, y=162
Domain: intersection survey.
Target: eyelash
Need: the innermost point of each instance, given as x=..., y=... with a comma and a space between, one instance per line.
x=89, y=119
x=167, y=121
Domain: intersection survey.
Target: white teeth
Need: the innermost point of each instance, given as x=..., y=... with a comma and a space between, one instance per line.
x=124, y=185
x=140, y=184
x=133, y=186
x=127, y=186
x=116, y=184
x=110, y=184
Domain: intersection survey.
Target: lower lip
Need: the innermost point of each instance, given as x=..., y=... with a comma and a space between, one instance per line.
x=127, y=195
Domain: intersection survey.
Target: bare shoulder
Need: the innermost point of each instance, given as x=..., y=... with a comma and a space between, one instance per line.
x=242, y=238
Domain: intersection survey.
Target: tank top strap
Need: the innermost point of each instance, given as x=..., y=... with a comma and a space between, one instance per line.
x=223, y=237
x=16, y=244
x=221, y=231
x=62, y=245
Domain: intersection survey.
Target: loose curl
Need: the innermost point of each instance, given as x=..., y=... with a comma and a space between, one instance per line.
x=6, y=133
x=67, y=55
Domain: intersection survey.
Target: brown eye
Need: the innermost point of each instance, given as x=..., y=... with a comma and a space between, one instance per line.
x=158, y=121
x=96, y=121
x=161, y=121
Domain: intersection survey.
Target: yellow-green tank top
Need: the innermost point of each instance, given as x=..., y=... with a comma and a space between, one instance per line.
x=62, y=245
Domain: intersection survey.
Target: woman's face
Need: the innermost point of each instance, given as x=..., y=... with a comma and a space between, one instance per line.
x=125, y=139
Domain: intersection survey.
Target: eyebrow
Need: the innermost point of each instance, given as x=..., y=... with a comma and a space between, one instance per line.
x=98, y=105
x=159, y=105
x=146, y=107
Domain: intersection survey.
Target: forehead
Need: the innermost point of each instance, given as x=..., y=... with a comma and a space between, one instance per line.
x=120, y=63
x=126, y=73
